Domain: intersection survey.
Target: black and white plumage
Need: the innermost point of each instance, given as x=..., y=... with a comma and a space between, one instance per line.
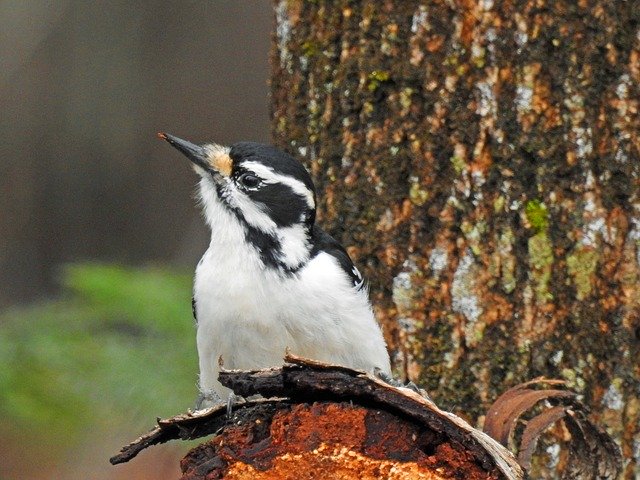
x=272, y=279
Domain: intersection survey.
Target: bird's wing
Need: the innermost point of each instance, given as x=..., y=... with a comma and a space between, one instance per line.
x=323, y=242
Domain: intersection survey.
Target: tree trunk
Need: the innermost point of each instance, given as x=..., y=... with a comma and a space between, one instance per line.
x=481, y=161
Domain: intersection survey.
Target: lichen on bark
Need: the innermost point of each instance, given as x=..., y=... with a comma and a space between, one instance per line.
x=485, y=155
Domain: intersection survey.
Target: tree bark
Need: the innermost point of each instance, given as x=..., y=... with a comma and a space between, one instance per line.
x=481, y=161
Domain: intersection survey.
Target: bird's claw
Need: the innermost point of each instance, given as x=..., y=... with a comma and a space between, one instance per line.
x=394, y=382
x=207, y=399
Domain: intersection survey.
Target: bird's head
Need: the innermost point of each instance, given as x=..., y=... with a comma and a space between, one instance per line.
x=269, y=192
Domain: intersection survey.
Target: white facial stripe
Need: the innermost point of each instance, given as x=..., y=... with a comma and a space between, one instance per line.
x=293, y=245
x=269, y=176
x=252, y=213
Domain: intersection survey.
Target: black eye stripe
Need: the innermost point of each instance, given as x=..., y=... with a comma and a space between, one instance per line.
x=283, y=205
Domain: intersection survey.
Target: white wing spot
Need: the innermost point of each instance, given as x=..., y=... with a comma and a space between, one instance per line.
x=360, y=281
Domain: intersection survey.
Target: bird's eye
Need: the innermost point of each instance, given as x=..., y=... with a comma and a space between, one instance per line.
x=249, y=180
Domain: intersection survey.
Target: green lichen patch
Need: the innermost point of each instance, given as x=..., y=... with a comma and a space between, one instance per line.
x=377, y=78
x=459, y=165
x=405, y=97
x=573, y=378
x=474, y=233
x=581, y=265
x=537, y=215
x=541, y=259
x=310, y=49
x=417, y=194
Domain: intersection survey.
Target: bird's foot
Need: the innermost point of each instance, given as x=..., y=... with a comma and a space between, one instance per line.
x=394, y=382
x=210, y=398
x=207, y=399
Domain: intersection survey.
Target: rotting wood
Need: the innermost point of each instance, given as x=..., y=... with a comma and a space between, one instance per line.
x=313, y=388
x=185, y=426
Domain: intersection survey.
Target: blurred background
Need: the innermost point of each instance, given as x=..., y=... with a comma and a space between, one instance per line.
x=99, y=233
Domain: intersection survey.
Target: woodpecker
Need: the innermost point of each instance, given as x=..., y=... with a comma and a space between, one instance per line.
x=272, y=279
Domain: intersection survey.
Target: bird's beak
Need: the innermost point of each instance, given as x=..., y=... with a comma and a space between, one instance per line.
x=211, y=158
x=193, y=152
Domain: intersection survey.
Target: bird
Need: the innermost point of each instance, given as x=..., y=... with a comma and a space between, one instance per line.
x=271, y=279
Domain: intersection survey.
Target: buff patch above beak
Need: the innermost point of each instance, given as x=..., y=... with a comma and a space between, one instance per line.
x=219, y=159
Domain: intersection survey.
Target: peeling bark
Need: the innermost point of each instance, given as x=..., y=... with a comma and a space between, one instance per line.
x=588, y=451
x=482, y=162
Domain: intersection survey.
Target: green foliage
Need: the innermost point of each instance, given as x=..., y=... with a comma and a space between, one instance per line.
x=120, y=344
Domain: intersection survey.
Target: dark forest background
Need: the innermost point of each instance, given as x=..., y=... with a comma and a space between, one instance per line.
x=84, y=87
x=99, y=232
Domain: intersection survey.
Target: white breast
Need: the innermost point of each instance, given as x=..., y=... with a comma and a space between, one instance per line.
x=249, y=315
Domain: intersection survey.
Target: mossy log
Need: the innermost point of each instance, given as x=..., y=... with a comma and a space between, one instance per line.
x=481, y=161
